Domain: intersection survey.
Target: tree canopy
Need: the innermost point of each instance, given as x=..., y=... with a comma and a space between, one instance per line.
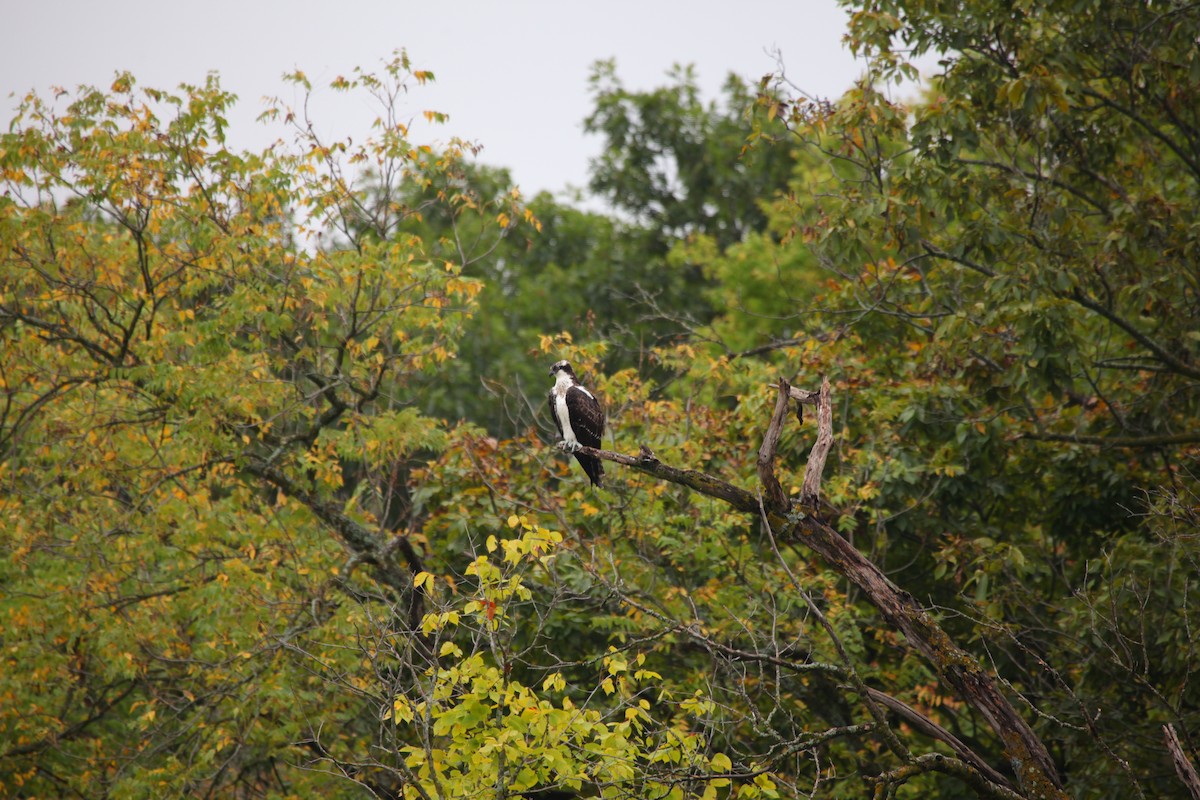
x=903, y=401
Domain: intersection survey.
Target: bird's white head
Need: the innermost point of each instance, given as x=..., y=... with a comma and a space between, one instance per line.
x=562, y=366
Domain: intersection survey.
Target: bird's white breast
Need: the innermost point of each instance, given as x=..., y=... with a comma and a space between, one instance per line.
x=561, y=385
x=564, y=418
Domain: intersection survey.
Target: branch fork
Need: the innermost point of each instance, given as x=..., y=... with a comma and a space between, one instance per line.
x=810, y=489
x=1027, y=757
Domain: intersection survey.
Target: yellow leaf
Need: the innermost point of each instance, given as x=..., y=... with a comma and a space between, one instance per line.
x=402, y=709
x=764, y=781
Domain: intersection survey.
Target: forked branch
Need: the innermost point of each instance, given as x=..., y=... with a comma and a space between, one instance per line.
x=1027, y=756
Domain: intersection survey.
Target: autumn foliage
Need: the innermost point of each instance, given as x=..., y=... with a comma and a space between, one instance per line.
x=279, y=510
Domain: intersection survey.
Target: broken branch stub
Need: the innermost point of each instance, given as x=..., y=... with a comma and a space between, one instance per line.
x=810, y=489
x=774, y=495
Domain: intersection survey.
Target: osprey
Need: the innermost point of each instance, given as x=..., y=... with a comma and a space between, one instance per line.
x=579, y=418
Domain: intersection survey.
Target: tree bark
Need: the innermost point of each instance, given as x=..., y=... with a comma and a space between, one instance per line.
x=810, y=490
x=1183, y=765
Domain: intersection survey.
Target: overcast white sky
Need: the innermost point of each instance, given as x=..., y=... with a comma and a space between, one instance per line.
x=512, y=74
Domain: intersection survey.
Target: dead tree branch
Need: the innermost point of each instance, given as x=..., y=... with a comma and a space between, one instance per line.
x=773, y=495
x=1183, y=765
x=810, y=490
x=930, y=728
x=1027, y=756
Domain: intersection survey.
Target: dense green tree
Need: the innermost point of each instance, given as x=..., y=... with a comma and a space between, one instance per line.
x=679, y=171
x=1013, y=299
x=569, y=270
x=241, y=553
x=1009, y=315
x=204, y=411
x=221, y=574
x=680, y=165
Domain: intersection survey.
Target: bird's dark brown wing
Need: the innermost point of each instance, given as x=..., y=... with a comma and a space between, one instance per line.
x=587, y=417
x=587, y=420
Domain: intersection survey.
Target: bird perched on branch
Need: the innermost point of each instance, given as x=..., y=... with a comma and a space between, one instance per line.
x=579, y=418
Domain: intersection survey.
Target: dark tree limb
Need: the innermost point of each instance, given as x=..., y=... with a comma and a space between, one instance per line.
x=936, y=762
x=930, y=728
x=1027, y=756
x=874, y=709
x=646, y=462
x=365, y=545
x=1183, y=765
x=1168, y=359
x=98, y=710
x=1151, y=440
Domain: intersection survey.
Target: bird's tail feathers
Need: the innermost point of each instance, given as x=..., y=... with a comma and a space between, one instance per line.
x=594, y=468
